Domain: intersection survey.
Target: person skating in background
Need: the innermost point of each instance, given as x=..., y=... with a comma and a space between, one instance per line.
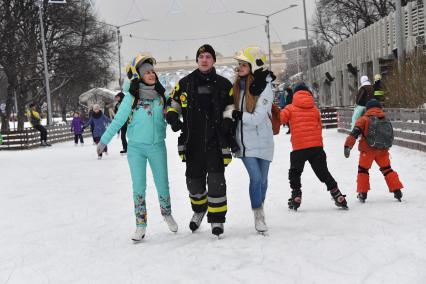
x=253, y=98
x=379, y=90
x=35, y=121
x=77, y=125
x=144, y=107
x=282, y=98
x=289, y=101
x=98, y=121
x=376, y=139
x=365, y=93
x=123, y=130
x=201, y=98
x=306, y=139
x=91, y=126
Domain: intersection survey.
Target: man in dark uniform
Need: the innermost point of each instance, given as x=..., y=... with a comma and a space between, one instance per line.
x=201, y=98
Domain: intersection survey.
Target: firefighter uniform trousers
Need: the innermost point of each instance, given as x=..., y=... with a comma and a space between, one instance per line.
x=382, y=159
x=205, y=167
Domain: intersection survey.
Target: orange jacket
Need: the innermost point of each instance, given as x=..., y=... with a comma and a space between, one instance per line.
x=362, y=123
x=305, y=121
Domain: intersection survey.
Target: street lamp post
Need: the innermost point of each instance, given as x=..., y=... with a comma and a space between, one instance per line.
x=308, y=45
x=267, y=27
x=117, y=27
x=308, y=51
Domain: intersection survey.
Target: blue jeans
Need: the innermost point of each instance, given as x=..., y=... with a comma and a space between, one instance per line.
x=258, y=172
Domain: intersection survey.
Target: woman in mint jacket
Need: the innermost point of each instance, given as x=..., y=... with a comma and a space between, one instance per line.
x=143, y=106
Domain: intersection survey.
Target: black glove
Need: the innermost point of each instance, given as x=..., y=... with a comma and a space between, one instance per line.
x=237, y=115
x=347, y=151
x=259, y=83
x=134, y=88
x=235, y=148
x=177, y=125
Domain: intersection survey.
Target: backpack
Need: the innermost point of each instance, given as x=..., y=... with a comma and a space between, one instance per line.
x=380, y=133
x=275, y=119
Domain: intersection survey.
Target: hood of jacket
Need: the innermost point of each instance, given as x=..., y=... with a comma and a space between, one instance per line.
x=303, y=99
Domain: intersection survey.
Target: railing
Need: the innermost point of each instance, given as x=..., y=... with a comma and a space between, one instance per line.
x=409, y=125
x=329, y=117
x=30, y=137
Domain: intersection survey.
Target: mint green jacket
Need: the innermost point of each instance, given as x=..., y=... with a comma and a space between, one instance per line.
x=147, y=125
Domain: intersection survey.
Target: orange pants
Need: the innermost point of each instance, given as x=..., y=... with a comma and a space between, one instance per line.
x=382, y=159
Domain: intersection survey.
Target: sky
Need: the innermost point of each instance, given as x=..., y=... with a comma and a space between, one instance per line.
x=170, y=21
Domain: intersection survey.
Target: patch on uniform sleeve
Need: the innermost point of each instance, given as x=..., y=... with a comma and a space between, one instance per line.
x=265, y=102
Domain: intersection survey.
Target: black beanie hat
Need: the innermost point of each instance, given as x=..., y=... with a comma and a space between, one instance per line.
x=206, y=48
x=301, y=87
x=373, y=103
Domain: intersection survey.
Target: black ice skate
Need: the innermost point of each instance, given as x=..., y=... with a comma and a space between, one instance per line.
x=196, y=220
x=339, y=198
x=295, y=200
x=397, y=194
x=362, y=196
x=217, y=229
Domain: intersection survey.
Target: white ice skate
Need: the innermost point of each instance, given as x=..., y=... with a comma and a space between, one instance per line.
x=259, y=220
x=139, y=234
x=171, y=223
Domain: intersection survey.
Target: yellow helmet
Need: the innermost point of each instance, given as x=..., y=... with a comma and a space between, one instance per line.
x=253, y=55
x=377, y=77
x=132, y=67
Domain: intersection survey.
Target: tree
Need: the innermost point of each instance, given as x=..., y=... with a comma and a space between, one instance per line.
x=72, y=37
x=336, y=20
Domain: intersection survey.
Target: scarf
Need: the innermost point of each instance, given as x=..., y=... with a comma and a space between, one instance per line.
x=147, y=92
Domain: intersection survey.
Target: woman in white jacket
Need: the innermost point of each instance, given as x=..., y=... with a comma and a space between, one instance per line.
x=253, y=98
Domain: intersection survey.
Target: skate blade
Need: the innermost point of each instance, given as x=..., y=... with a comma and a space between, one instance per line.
x=138, y=241
x=264, y=233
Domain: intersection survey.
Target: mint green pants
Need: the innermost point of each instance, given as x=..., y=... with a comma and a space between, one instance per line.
x=358, y=112
x=156, y=155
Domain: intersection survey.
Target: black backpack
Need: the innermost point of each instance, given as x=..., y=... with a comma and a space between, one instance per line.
x=380, y=133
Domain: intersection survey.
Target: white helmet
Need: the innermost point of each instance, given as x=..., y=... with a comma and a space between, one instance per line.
x=253, y=55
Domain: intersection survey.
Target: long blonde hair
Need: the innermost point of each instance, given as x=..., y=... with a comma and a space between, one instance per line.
x=250, y=99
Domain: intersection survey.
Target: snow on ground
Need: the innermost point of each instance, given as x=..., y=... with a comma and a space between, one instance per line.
x=67, y=217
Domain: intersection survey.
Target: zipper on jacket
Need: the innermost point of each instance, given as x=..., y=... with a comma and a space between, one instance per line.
x=241, y=121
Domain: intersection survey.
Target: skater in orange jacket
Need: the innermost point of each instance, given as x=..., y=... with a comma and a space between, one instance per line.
x=373, y=146
x=304, y=119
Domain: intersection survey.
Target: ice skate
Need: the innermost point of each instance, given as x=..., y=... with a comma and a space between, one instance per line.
x=339, y=198
x=217, y=229
x=259, y=220
x=397, y=194
x=362, y=196
x=196, y=220
x=139, y=234
x=295, y=200
x=171, y=223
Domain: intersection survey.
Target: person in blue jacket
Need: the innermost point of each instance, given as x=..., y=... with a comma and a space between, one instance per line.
x=144, y=106
x=98, y=122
